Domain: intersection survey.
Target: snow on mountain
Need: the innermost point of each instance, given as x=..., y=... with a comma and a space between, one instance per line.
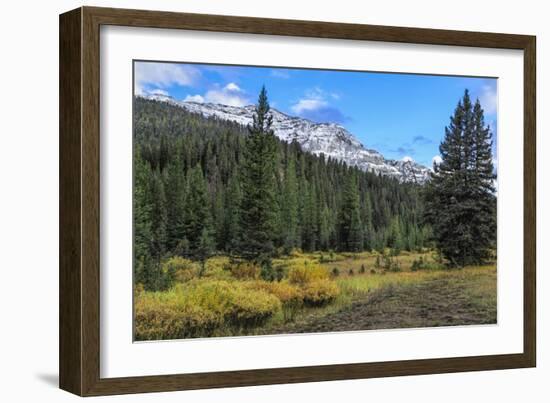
x=329, y=139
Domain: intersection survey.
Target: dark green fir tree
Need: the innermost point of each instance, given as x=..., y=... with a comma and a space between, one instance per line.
x=460, y=197
x=198, y=217
x=350, y=228
x=258, y=209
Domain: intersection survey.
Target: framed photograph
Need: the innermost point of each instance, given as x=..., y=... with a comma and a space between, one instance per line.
x=249, y=201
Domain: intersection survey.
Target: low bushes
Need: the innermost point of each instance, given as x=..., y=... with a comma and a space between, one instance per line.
x=169, y=315
x=201, y=308
x=182, y=270
x=223, y=297
x=313, y=280
x=320, y=292
x=304, y=271
x=287, y=293
x=245, y=271
x=217, y=267
x=290, y=295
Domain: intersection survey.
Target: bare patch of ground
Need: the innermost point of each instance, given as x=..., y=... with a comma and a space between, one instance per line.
x=450, y=300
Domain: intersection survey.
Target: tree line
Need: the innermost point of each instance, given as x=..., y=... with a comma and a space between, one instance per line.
x=205, y=185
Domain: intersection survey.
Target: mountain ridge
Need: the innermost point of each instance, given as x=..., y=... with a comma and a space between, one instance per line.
x=330, y=139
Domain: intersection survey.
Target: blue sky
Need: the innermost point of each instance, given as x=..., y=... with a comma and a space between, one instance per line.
x=400, y=115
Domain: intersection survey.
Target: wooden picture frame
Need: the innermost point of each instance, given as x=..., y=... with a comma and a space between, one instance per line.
x=79, y=346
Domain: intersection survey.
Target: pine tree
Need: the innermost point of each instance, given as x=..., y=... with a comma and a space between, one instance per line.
x=355, y=238
x=289, y=207
x=175, y=200
x=350, y=228
x=484, y=223
x=158, y=215
x=142, y=221
x=258, y=204
x=232, y=215
x=309, y=225
x=366, y=218
x=395, y=238
x=198, y=218
x=155, y=279
x=218, y=215
x=460, y=197
x=324, y=228
x=204, y=248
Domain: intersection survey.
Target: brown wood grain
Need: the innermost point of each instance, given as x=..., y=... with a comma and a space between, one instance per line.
x=70, y=185
x=80, y=196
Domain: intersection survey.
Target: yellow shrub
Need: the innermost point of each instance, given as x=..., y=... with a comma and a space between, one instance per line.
x=252, y=308
x=245, y=270
x=320, y=292
x=231, y=300
x=217, y=267
x=138, y=289
x=166, y=315
x=287, y=293
x=295, y=252
x=182, y=269
x=201, y=307
x=302, y=272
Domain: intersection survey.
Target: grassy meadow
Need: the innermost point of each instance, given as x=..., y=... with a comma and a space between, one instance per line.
x=316, y=292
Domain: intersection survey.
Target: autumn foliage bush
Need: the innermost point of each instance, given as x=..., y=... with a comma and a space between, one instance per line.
x=245, y=271
x=223, y=297
x=320, y=292
x=302, y=272
x=182, y=270
x=316, y=287
x=201, y=308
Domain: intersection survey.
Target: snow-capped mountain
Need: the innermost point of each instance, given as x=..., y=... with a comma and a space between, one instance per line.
x=329, y=139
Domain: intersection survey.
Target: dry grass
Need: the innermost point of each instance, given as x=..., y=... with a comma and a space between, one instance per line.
x=405, y=300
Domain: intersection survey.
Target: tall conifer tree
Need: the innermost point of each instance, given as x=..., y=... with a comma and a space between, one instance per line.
x=350, y=228
x=460, y=197
x=175, y=200
x=290, y=206
x=232, y=215
x=142, y=220
x=198, y=217
x=258, y=204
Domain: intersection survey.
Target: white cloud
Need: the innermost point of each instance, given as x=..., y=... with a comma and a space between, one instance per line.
x=406, y=158
x=162, y=75
x=231, y=95
x=304, y=105
x=225, y=97
x=233, y=87
x=194, y=98
x=316, y=93
x=489, y=99
x=315, y=106
x=437, y=159
x=314, y=99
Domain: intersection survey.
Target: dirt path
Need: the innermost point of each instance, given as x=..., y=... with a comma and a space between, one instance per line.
x=436, y=302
